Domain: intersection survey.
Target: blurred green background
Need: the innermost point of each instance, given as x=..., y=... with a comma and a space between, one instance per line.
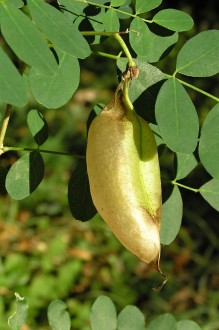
x=45, y=254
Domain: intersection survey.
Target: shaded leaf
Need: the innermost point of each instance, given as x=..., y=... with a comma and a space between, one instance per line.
x=131, y=318
x=103, y=314
x=164, y=321
x=25, y=175
x=199, y=57
x=12, y=89
x=56, y=90
x=152, y=50
x=38, y=126
x=16, y=321
x=26, y=41
x=185, y=163
x=146, y=5
x=111, y=21
x=210, y=192
x=58, y=317
x=209, y=143
x=79, y=197
x=172, y=211
x=57, y=28
x=176, y=117
x=188, y=325
x=173, y=19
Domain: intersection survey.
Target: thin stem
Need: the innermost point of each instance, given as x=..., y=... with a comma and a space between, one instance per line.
x=5, y=149
x=183, y=186
x=5, y=125
x=113, y=57
x=213, y=97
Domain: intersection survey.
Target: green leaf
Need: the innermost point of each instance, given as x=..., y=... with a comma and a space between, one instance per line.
x=146, y=5
x=185, y=163
x=57, y=28
x=152, y=50
x=38, y=126
x=103, y=314
x=111, y=21
x=26, y=41
x=199, y=57
x=210, y=192
x=79, y=197
x=131, y=318
x=164, y=321
x=56, y=90
x=188, y=325
x=209, y=143
x=176, y=117
x=172, y=211
x=173, y=19
x=12, y=89
x=16, y=321
x=25, y=175
x=117, y=3
x=73, y=10
x=58, y=317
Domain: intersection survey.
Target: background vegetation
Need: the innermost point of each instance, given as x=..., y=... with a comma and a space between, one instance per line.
x=45, y=254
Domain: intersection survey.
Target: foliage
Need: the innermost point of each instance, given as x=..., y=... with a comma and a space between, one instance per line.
x=42, y=54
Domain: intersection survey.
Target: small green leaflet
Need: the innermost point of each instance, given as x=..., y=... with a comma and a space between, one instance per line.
x=103, y=314
x=185, y=163
x=171, y=217
x=16, y=321
x=38, y=126
x=25, y=175
x=131, y=318
x=210, y=192
x=111, y=21
x=176, y=117
x=143, y=6
x=209, y=143
x=188, y=325
x=173, y=19
x=161, y=322
x=117, y=3
x=199, y=57
x=58, y=317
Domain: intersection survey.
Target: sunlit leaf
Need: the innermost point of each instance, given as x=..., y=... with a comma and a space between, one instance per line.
x=146, y=5
x=25, y=175
x=79, y=197
x=171, y=217
x=131, y=318
x=58, y=317
x=38, y=126
x=103, y=314
x=185, y=163
x=188, y=325
x=164, y=321
x=176, y=117
x=199, y=57
x=210, y=192
x=209, y=142
x=111, y=21
x=173, y=19
x=117, y=3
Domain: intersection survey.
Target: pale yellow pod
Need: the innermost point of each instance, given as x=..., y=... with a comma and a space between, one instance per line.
x=124, y=176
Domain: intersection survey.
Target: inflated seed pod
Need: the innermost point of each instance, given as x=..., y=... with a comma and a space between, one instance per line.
x=124, y=177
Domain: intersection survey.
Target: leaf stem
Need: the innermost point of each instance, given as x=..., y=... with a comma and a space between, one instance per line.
x=183, y=186
x=4, y=126
x=5, y=149
x=213, y=97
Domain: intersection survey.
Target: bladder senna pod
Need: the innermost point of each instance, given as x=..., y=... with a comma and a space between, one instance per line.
x=124, y=177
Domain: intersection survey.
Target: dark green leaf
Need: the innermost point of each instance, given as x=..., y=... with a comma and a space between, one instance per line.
x=57, y=28
x=176, y=117
x=210, y=192
x=188, y=325
x=199, y=57
x=3, y=174
x=58, y=317
x=152, y=50
x=12, y=89
x=146, y=5
x=111, y=21
x=171, y=217
x=164, y=321
x=26, y=41
x=185, y=163
x=16, y=321
x=73, y=10
x=38, y=126
x=209, y=143
x=131, y=318
x=54, y=91
x=103, y=314
x=25, y=175
x=79, y=197
x=173, y=19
